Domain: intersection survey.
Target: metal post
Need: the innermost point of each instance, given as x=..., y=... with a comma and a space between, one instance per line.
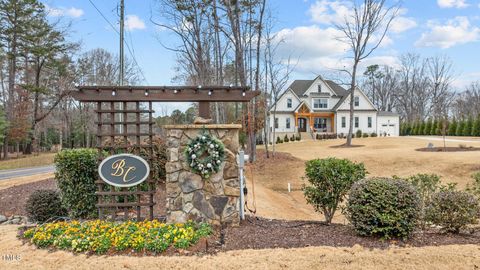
x=241, y=164
x=122, y=59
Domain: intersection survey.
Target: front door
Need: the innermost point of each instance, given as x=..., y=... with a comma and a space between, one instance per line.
x=302, y=125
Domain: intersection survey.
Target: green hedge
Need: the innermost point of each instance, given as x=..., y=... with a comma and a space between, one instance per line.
x=383, y=207
x=76, y=173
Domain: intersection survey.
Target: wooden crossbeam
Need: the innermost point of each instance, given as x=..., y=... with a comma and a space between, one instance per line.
x=163, y=94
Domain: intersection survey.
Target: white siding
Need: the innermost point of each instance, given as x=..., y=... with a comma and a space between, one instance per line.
x=363, y=122
x=364, y=103
x=389, y=125
x=282, y=122
x=282, y=102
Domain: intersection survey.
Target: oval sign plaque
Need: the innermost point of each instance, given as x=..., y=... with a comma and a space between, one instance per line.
x=124, y=170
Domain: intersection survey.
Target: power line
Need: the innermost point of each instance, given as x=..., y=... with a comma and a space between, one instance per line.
x=118, y=33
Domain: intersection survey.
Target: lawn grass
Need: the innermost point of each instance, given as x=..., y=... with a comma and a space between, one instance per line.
x=27, y=161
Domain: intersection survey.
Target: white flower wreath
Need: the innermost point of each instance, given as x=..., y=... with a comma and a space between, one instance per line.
x=205, y=154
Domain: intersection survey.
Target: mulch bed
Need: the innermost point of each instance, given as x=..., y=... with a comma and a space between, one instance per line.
x=13, y=199
x=448, y=149
x=259, y=233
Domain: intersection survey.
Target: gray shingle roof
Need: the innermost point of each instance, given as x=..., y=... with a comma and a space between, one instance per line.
x=300, y=86
x=339, y=91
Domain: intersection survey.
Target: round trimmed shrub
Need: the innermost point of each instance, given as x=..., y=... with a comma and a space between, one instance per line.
x=452, y=210
x=43, y=205
x=383, y=207
x=76, y=173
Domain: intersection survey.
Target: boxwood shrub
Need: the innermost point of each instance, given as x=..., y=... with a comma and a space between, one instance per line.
x=44, y=205
x=383, y=207
x=452, y=210
x=76, y=173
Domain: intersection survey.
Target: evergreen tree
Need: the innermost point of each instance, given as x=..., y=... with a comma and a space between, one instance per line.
x=438, y=130
x=460, y=127
x=476, y=127
x=452, y=128
x=421, y=130
x=414, y=128
x=467, y=128
x=428, y=127
x=433, y=130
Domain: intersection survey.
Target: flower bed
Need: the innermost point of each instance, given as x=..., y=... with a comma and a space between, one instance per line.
x=101, y=236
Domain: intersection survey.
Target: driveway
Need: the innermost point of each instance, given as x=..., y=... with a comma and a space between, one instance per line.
x=448, y=139
x=14, y=173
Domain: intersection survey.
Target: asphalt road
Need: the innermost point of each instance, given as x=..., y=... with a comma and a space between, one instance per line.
x=7, y=174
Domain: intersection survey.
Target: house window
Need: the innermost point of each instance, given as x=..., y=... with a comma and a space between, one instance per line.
x=344, y=121
x=357, y=122
x=356, y=100
x=319, y=88
x=369, y=122
x=287, y=123
x=276, y=122
x=320, y=103
x=320, y=124
x=289, y=103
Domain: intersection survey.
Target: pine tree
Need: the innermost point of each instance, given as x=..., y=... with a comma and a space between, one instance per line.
x=476, y=127
x=467, y=128
x=460, y=127
x=452, y=128
x=421, y=131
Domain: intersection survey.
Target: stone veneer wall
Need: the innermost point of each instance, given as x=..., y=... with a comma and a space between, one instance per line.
x=190, y=197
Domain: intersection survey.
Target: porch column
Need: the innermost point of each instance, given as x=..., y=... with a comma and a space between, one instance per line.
x=333, y=122
x=296, y=122
x=310, y=122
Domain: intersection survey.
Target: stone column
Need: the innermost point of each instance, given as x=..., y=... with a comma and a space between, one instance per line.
x=190, y=197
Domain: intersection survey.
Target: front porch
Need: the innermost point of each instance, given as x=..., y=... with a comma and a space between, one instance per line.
x=314, y=122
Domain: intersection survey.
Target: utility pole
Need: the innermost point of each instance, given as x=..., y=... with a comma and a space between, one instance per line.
x=122, y=60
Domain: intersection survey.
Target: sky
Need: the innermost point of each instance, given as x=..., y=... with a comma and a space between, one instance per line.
x=448, y=28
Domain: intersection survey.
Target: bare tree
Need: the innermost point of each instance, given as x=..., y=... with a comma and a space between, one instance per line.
x=364, y=30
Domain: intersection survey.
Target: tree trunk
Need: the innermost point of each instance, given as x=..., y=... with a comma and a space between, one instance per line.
x=352, y=108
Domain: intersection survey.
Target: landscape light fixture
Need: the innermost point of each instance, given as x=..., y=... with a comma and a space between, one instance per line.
x=175, y=91
x=243, y=93
x=114, y=92
x=146, y=93
x=210, y=92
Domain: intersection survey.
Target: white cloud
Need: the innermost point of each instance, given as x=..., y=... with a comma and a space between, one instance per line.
x=456, y=31
x=402, y=24
x=452, y=3
x=60, y=12
x=331, y=12
x=133, y=22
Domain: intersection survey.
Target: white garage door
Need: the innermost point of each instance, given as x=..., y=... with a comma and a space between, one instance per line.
x=387, y=128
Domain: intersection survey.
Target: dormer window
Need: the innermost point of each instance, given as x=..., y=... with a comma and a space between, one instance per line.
x=289, y=103
x=356, y=101
x=319, y=88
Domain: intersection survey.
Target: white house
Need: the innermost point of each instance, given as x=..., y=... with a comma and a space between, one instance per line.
x=322, y=106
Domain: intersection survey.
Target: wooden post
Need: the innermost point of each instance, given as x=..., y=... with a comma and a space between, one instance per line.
x=204, y=109
x=333, y=123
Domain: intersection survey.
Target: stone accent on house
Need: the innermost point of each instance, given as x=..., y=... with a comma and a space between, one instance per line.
x=189, y=197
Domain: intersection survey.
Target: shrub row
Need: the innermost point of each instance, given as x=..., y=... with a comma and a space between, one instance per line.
x=287, y=139
x=452, y=127
x=389, y=207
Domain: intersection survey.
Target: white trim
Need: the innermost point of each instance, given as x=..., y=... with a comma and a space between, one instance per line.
x=126, y=185
x=319, y=98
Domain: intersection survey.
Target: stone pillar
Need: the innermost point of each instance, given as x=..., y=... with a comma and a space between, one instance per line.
x=190, y=197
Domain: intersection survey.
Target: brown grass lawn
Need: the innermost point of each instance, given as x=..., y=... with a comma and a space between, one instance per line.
x=444, y=257
x=27, y=161
x=381, y=156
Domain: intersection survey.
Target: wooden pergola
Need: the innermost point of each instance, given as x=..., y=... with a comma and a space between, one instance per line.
x=201, y=94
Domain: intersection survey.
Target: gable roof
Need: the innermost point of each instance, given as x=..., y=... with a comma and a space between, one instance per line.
x=337, y=89
x=299, y=87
